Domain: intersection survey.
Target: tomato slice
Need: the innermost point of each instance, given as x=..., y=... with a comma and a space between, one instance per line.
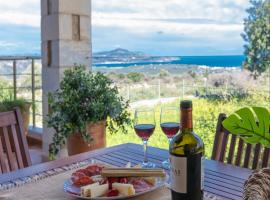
x=94, y=170
x=123, y=180
x=84, y=171
x=112, y=193
x=76, y=176
x=84, y=180
x=112, y=180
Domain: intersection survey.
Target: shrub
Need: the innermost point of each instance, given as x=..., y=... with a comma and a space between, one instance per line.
x=163, y=73
x=135, y=76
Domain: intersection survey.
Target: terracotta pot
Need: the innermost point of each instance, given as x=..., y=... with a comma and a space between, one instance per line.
x=76, y=144
x=26, y=117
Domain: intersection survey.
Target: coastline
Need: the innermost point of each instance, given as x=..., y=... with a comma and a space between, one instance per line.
x=153, y=69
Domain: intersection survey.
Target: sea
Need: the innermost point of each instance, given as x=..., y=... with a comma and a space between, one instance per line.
x=211, y=61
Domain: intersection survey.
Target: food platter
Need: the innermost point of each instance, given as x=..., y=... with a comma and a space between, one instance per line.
x=100, y=183
x=73, y=191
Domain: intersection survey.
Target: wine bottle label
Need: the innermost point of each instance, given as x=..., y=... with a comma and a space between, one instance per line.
x=187, y=173
x=178, y=174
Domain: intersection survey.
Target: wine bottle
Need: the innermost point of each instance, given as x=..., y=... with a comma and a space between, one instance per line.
x=186, y=159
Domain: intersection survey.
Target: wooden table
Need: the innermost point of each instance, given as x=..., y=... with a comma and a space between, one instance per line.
x=222, y=180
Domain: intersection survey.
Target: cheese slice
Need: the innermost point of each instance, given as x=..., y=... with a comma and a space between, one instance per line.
x=151, y=180
x=94, y=190
x=86, y=190
x=137, y=166
x=100, y=190
x=128, y=165
x=124, y=189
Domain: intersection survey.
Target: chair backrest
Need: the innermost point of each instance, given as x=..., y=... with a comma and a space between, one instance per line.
x=14, y=152
x=229, y=148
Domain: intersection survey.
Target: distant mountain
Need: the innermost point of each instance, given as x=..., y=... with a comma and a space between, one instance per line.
x=120, y=55
x=119, y=52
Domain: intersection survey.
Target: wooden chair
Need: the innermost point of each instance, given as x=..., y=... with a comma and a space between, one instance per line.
x=229, y=148
x=14, y=153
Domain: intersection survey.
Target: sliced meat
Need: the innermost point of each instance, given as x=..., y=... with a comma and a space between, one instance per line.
x=141, y=185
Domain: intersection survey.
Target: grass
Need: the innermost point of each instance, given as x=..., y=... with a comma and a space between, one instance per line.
x=205, y=115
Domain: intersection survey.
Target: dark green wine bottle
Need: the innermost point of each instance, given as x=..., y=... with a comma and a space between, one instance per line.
x=187, y=159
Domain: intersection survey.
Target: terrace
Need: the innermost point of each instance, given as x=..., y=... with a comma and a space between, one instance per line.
x=66, y=39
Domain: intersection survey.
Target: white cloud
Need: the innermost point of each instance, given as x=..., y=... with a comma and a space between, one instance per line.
x=20, y=18
x=151, y=26
x=213, y=19
x=218, y=10
x=20, y=12
x=5, y=44
x=175, y=23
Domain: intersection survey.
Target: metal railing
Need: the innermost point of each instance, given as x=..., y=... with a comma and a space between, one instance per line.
x=11, y=79
x=14, y=70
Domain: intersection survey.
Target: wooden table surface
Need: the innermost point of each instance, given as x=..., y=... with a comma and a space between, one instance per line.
x=222, y=180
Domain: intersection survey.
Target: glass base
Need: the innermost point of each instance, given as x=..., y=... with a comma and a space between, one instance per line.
x=148, y=165
x=166, y=164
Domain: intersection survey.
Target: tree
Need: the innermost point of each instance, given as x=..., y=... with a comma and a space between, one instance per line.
x=257, y=37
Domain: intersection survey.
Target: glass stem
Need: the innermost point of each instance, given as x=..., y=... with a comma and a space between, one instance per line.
x=169, y=139
x=145, y=147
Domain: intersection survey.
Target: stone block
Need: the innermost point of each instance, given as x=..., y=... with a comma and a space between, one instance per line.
x=50, y=27
x=44, y=7
x=85, y=28
x=78, y=7
x=72, y=52
x=54, y=54
x=49, y=7
x=65, y=27
x=55, y=27
x=51, y=77
x=47, y=132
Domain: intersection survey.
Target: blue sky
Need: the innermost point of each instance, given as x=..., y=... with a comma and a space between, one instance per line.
x=157, y=27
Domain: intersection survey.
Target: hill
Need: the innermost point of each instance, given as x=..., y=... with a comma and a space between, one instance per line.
x=120, y=55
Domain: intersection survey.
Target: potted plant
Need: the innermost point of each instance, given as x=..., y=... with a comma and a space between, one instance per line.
x=9, y=105
x=81, y=109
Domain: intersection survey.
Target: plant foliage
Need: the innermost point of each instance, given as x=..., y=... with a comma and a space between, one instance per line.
x=8, y=105
x=84, y=97
x=257, y=37
x=251, y=124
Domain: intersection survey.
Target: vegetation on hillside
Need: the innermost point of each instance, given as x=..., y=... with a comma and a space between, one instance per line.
x=205, y=114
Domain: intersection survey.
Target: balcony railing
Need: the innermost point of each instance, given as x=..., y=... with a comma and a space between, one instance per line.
x=20, y=76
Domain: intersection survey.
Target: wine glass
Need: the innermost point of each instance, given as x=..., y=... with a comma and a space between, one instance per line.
x=170, y=125
x=144, y=125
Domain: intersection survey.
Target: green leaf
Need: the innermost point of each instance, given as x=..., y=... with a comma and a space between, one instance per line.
x=251, y=124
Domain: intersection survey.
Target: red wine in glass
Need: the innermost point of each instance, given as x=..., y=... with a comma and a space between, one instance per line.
x=144, y=131
x=170, y=125
x=170, y=128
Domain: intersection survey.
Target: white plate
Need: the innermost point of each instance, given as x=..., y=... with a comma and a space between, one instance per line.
x=73, y=191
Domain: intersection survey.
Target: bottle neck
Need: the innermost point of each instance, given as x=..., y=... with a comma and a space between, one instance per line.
x=186, y=120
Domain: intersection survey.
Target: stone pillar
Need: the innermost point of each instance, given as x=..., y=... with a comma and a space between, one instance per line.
x=66, y=39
